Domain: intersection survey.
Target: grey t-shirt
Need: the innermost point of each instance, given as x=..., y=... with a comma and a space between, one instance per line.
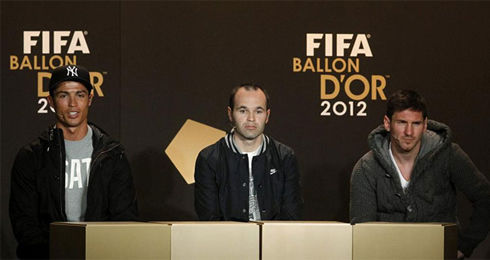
x=77, y=174
x=253, y=202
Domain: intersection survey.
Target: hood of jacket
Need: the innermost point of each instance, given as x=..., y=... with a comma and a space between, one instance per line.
x=435, y=139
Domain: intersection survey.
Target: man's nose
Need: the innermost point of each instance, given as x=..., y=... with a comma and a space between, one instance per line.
x=72, y=102
x=408, y=129
x=251, y=117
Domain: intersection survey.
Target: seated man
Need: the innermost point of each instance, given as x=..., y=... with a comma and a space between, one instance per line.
x=412, y=172
x=247, y=175
x=51, y=175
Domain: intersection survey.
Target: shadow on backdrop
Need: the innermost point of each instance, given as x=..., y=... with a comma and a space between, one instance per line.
x=162, y=192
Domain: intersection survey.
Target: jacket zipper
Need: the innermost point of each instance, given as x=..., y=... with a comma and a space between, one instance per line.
x=62, y=163
x=98, y=156
x=92, y=164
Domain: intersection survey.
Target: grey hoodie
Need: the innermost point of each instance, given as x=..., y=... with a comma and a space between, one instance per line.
x=441, y=167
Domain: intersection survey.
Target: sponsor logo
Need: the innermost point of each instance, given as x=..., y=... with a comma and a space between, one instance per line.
x=73, y=70
x=337, y=57
x=43, y=51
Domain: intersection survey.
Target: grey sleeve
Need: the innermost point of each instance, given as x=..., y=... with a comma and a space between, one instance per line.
x=476, y=187
x=363, y=203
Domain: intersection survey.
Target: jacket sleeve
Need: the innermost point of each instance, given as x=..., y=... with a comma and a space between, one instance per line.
x=292, y=200
x=206, y=191
x=476, y=187
x=363, y=203
x=23, y=208
x=122, y=192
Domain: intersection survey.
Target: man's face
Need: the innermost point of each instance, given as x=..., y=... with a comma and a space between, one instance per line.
x=250, y=113
x=70, y=101
x=406, y=128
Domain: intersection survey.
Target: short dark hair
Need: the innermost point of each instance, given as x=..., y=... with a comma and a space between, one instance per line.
x=247, y=86
x=405, y=99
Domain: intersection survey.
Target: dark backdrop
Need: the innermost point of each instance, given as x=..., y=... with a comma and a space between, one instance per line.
x=165, y=62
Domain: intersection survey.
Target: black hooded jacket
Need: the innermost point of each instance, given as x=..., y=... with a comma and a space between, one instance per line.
x=37, y=196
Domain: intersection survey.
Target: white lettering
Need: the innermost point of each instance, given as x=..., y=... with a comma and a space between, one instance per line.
x=58, y=41
x=356, y=49
x=342, y=42
x=78, y=38
x=311, y=45
x=87, y=161
x=73, y=70
x=46, y=42
x=66, y=175
x=76, y=174
x=74, y=177
x=328, y=45
x=28, y=41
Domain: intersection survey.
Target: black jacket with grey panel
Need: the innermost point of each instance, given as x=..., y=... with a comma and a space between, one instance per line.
x=440, y=168
x=37, y=196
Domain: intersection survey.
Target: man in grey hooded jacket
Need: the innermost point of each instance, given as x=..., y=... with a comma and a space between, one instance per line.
x=412, y=172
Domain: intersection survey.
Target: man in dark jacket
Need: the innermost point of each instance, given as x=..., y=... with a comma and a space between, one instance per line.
x=247, y=175
x=412, y=172
x=72, y=172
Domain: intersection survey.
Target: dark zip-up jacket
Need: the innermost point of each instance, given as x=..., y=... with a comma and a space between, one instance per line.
x=37, y=196
x=222, y=183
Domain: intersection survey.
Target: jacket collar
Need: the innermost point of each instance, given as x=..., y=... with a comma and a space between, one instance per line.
x=52, y=133
x=230, y=142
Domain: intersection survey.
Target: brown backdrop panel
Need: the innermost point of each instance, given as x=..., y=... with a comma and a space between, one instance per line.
x=165, y=62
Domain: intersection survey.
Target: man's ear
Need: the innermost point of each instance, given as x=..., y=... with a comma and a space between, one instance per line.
x=230, y=114
x=386, y=122
x=51, y=101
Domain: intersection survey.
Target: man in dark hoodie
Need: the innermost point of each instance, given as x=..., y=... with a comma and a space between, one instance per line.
x=72, y=172
x=412, y=172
